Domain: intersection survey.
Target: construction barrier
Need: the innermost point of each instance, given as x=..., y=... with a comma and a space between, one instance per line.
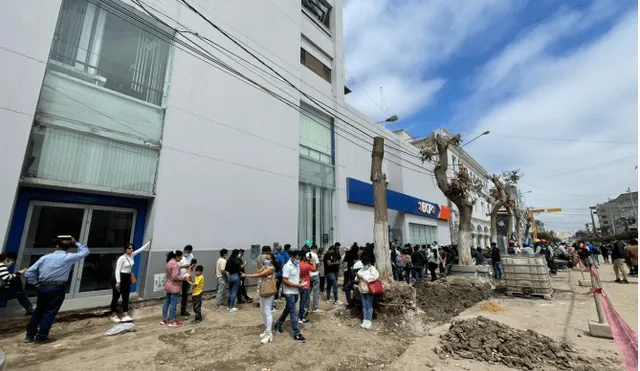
x=623, y=335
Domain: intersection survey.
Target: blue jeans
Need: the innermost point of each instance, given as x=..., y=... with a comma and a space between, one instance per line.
x=418, y=273
x=332, y=281
x=234, y=285
x=396, y=274
x=14, y=291
x=170, y=304
x=367, y=307
x=315, y=291
x=348, y=288
x=497, y=270
x=304, y=300
x=290, y=309
x=48, y=303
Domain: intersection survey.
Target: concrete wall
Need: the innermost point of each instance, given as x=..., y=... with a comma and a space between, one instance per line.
x=23, y=54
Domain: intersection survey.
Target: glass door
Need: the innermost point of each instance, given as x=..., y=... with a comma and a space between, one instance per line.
x=46, y=221
x=105, y=230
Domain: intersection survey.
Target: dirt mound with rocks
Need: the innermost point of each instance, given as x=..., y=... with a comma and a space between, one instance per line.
x=490, y=341
x=446, y=298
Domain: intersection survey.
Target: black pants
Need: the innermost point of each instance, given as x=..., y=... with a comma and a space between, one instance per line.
x=346, y=278
x=242, y=292
x=432, y=269
x=125, y=288
x=278, y=284
x=322, y=280
x=197, y=306
x=185, y=297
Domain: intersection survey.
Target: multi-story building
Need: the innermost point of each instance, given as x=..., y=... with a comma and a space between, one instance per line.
x=459, y=158
x=125, y=119
x=618, y=215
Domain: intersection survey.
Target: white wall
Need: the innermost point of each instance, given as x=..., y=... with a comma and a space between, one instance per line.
x=24, y=48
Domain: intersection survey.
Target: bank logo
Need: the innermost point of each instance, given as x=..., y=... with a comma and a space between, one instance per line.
x=427, y=208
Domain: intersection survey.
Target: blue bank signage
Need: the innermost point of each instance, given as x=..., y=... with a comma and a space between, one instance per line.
x=362, y=193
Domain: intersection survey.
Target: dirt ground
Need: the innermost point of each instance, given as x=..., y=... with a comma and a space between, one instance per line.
x=229, y=341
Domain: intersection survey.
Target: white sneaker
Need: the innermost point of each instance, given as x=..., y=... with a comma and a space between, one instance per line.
x=263, y=335
x=339, y=302
x=267, y=339
x=363, y=324
x=115, y=319
x=126, y=319
x=233, y=310
x=329, y=302
x=368, y=325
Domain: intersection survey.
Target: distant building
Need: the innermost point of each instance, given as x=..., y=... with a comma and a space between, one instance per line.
x=618, y=215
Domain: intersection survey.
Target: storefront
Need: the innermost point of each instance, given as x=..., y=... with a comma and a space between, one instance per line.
x=411, y=220
x=103, y=223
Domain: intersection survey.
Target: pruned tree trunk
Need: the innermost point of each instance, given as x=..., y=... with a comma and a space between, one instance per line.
x=528, y=226
x=464, y=235
x=380, y=217
x=510, y=222
x=494, y=221
x=519, y=228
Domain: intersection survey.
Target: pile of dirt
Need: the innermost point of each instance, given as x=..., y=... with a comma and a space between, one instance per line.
x=490, y=341
x=492, y=307
x=446, y=298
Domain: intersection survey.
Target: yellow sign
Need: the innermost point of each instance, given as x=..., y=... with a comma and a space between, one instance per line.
x=537, y=211
x=554, y=210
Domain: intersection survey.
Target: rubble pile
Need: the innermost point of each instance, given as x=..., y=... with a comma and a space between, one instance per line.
x=490, y=341
x=444, y=299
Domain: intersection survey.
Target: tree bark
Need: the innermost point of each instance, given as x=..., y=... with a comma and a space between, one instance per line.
x=519, y=228
x=494, y=221
x=380, y=216
x=510, y=222
x=464, y=234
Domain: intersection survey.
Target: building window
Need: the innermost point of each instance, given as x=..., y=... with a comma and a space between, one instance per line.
x=422, y=234
x=320, y=9
x=110, y=47
x=453, y=162
x=315, y=65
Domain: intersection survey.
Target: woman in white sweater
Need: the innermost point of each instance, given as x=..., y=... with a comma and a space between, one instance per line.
x=121, y=281
x=366, y=275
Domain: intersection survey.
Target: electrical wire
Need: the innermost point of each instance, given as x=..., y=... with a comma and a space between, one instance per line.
x=556, y=139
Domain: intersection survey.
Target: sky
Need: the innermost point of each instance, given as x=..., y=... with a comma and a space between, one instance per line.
x=554, y=81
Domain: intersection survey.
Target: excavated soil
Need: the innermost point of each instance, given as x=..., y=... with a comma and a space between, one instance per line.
x=486, y=340
x=446, y=298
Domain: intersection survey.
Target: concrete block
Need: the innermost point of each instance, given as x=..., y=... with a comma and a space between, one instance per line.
x=584, y=283
x=600, y=330
x=463, y=270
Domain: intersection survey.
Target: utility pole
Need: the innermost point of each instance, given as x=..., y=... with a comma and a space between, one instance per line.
x=593, y=222
x=380, y=217
x=632, y=203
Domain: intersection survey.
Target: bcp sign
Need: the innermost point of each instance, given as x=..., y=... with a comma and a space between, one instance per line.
x=427, y=208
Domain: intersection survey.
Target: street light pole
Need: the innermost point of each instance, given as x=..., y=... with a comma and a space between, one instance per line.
x=485, y=133
x=632, y=203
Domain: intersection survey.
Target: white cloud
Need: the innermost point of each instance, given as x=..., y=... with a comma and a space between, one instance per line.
x=397, y=45
x=590, y=94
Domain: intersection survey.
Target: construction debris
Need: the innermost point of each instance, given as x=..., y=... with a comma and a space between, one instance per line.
x=444, y=299
x=493, y=342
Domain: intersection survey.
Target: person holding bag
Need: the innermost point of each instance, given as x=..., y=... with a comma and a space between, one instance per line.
x=367, y=276
x=122, y=280
x=267, y=289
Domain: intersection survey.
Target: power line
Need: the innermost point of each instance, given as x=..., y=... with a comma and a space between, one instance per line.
x=556, y=139
x=587, y=168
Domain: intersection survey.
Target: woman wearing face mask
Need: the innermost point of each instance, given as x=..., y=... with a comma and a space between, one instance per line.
x=11, y=285
x=366, y=275
x=173, y=288
x=265, y=274
x=121, y=282
x=233, y=267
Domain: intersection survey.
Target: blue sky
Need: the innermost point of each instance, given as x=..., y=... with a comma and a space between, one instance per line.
x=554, y=81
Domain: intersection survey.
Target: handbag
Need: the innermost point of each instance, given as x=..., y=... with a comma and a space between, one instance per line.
x=268, y=287
x=376, y=288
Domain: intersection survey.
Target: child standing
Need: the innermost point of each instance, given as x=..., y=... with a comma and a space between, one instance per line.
x=196, y=295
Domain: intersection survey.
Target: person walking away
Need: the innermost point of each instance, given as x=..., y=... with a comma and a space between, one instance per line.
x=11, y=284
x=290, y=290
x=617, y=257
x=631, y=256
x=196, y=294
x=221, y=276
x=172, y=288
x=50, y=275
x=395, y=257
x=418, y=261
x=242, y=291
x=595, y=250
x=233, y=267
x=279, y=263
x=584, y=253
x=122, y=280
x=307, y=265
x=331, y=268
x=406, y=262
x=604, y=248
x=185, y=264
x=266, y=275
x=314, y=277
x=432, y=263
x=496, y=261
x=366, y=275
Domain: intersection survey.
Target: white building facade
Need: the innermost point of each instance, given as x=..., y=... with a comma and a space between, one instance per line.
x=116, y=127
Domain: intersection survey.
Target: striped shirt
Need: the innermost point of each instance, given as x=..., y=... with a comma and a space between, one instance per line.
x=5, y=276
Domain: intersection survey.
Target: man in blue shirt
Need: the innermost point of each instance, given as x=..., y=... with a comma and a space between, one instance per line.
x=50, y=274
